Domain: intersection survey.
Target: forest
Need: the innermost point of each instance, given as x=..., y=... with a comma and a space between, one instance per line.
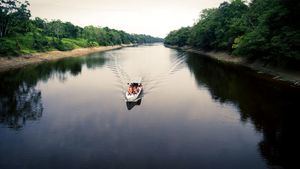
x=265, y=30
x=20, y=34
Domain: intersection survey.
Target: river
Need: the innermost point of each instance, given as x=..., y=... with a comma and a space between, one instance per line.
x=194, y=113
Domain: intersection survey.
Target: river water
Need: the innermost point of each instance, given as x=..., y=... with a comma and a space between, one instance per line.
x=194, y=113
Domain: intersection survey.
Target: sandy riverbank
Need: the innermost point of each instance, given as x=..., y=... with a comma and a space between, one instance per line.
x=7, y=63
x=278, y=74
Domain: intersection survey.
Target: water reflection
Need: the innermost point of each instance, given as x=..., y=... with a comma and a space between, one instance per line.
x=22, y=105
x=84, y=124
x=21, y=101
x=270, y=107
x=131, y=105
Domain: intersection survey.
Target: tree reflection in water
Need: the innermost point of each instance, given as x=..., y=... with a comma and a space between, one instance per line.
x=21, y=101
x=24, y=104
x=270, y=106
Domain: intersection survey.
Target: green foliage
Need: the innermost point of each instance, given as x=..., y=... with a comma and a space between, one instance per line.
x=106, y=36
x=8, y=47
x=14, y=17
x=63, y=45
x=36, y=42
x=22, y=44
x=264, y=29
x=218, y=27
x=21, y=35
x=92, y=44
x=178, y=37
x=40, y=42
x=273, y=35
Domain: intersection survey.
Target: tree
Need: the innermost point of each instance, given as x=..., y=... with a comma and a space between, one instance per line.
x=178, y=37
x=273, y=35
x=55, y=29
x=39, y=23
x=263, y=29
x=14, y=17
x=90, y=33
x=71, y=31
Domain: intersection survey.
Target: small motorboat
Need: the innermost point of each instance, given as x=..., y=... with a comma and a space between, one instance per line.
x=134, y=91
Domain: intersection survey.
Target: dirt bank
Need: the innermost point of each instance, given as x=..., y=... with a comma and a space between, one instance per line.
x=7, y=63
x=278, y=74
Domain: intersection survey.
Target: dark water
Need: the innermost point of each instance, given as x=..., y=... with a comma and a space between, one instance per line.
x=195, y=113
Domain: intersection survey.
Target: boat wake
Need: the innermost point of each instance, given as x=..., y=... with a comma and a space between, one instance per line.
x=150, y=81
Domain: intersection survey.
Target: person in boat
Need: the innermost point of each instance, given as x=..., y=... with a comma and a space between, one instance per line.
x=130, y=89
x=135, y=89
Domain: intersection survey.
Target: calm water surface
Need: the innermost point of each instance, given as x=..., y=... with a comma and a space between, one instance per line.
x=194, y=113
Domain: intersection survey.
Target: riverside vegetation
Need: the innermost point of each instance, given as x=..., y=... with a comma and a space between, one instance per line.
x=19, y=34
x=260, y=30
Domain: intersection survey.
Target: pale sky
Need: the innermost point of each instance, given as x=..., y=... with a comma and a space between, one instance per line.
x=152, y=17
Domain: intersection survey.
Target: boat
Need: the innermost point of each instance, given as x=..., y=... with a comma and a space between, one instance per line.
x=135, y=88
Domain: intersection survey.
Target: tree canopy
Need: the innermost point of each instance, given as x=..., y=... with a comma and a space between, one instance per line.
x=262, y=29
x=14, y=17
x=19, y=34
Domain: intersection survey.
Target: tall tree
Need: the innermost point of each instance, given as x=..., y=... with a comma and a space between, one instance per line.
x=55, y=29
x=14, y=17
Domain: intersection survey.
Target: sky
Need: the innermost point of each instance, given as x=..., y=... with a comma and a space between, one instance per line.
x=152, y=17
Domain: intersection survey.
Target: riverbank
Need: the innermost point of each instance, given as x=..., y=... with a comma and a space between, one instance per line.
x=278, y=74
x=8, y=63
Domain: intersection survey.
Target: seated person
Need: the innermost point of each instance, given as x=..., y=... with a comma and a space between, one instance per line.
x=130, y=90
x=135, y=90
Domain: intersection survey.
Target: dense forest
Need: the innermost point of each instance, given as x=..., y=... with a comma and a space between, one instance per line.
x=19, y=34
x=266, y=30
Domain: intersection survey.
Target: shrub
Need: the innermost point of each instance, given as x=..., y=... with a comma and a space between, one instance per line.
x=92, y=44
x=9, y=47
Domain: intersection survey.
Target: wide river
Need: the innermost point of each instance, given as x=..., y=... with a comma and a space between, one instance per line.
x=194, y=113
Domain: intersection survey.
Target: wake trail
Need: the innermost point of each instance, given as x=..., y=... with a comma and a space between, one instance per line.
x=150, y=81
